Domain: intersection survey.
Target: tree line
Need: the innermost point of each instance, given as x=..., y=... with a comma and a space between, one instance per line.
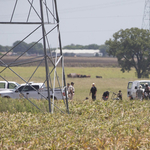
x=37, y=48
x=130, y=46
x=19, y=47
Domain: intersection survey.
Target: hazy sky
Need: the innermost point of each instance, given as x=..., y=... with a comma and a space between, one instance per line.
x=82, y=21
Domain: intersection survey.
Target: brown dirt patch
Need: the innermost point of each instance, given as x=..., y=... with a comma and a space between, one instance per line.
x=90, y=62
x=68, y=61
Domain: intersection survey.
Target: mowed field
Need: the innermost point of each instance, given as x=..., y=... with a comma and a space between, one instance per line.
x=90, y=125
x=93, y=66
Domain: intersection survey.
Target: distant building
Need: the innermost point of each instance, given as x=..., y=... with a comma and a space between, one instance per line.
x=80, y=52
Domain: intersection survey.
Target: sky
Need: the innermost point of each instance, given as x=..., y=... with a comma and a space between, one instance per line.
x=82, y=22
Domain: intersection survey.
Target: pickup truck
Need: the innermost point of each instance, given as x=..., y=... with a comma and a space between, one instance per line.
x=32, y=90
x=10, y=85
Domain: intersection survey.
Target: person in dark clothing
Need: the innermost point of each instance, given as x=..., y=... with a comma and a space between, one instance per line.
x=119, y=95
x=105, y=95
x=93, y=90
x=147, y=91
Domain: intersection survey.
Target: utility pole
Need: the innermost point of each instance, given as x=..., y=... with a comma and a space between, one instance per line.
x=41, y=17
x=146, y=15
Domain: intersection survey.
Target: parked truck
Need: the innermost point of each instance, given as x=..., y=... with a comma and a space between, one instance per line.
x=32, y=90
x=8, y=85
x=134, y=85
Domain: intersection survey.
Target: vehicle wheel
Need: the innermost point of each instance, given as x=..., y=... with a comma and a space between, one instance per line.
x=54, y=98
x=6, y=97
x=130, y=97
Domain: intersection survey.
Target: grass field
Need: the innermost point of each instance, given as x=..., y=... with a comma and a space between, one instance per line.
x=113, y=125
x=112, y=78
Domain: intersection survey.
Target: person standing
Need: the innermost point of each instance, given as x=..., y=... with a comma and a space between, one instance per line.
x=67, y=90
x=140, y=93
x=147, y=91
x=93, y=90
x=71, y=91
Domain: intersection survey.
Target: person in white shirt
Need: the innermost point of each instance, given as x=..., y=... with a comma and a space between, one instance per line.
x=71, y=90
x=140, y=93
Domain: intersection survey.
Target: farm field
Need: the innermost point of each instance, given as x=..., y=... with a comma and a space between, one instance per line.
x=70, y=61
x=91, y=125
x=112, y=78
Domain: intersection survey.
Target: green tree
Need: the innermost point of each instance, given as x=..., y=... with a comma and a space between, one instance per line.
x=103, y=49
x=96, y=55
x=92, y=46
x=20, y=47
x=72, y=46
x=35, y=48
x=132, y=49
x=4, y=48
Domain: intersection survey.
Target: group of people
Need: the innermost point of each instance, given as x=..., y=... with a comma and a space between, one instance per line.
x=115, y=96
x=70, y=90
x=105, y=95
x=140, y=94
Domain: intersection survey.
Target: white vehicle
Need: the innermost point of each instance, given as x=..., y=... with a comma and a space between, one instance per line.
x=10, y=85
x=32, y=90
x=134, y=85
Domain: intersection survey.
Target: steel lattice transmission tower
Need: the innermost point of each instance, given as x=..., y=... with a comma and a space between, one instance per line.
x=38, y=20
x=146, y=16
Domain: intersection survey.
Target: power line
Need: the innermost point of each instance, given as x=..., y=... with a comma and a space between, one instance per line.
x=146, y=15
x=128, y=16
x=86, y=8
x=105, y=5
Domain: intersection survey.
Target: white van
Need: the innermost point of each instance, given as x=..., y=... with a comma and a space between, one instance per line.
x=134, y=85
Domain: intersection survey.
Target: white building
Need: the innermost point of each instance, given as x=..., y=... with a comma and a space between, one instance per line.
x=81, y=52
